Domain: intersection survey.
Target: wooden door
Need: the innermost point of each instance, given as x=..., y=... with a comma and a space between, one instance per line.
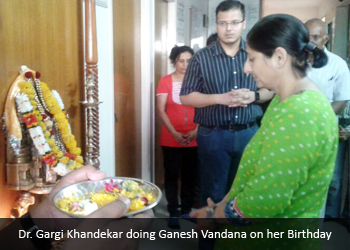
x=127, y=86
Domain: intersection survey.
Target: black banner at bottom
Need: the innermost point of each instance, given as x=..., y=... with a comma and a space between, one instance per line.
x=155, y=234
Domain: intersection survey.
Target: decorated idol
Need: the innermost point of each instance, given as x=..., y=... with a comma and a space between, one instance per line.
x=40, y=143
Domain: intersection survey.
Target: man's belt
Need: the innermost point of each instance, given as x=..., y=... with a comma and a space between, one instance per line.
x=233, y=126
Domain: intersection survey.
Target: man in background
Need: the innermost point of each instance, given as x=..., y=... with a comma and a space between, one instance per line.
x=334, y=81
x=226, y=102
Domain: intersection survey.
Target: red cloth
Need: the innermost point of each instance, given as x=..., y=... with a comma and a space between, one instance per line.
x=180, y=116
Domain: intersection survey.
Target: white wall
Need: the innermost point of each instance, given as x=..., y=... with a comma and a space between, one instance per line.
x=202, y=7
x=147, y=90
x=104, y=27
x=341, y=32
x=304, y=10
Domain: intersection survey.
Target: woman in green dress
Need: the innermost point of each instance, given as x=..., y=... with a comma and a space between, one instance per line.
x=286, y=168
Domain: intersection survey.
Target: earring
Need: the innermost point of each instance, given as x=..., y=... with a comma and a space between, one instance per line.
x=278, y=66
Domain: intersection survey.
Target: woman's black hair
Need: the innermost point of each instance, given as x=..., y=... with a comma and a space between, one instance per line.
x=288, y=32
x=212, y=38
x=177, y=51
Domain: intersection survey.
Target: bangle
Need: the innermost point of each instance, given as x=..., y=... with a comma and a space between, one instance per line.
x=234, y=216
x=31, y=229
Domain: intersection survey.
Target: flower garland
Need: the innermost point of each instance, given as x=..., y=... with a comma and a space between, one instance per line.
x=63, y=125
x=40, y=128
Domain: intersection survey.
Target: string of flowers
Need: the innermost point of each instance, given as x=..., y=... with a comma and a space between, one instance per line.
x=63, y=125
x=44, y=139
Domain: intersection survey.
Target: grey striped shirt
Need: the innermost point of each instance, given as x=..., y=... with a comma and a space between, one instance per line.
x=211, y=71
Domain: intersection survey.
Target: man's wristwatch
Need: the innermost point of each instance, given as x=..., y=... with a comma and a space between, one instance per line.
x=257, y=96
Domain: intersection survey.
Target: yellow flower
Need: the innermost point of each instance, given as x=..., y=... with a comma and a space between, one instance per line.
x=49, y=103
x=43, y=126
x=59, y=154
x=67, y=138
x=31, y=96
x=55, y=110
x=55, y=149
x=71, y=145
x=71, y=167
x=27, y=88
x=78, y=165
x=64, y=160
x=51, y=142
x=44, y=87
x=79, y=158
x=77, y=151
x=47, y=134
x=60, y=116
x=64, y=130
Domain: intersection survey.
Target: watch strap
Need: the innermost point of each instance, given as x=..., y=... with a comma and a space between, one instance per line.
x=257, y=96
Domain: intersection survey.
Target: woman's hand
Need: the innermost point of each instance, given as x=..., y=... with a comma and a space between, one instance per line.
x=191, y=135
x=202, y=217
x=180, y=138
x=343, y=133
x=244, y=97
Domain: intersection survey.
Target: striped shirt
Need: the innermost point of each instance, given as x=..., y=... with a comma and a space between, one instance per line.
x=211, y=71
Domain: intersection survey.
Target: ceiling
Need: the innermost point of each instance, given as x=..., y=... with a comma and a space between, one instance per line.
x=285, y=4
x=303, y=9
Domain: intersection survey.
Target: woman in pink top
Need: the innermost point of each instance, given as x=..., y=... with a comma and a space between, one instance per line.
x=178, y=134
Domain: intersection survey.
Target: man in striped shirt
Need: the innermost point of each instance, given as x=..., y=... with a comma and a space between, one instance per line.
x=226, y=102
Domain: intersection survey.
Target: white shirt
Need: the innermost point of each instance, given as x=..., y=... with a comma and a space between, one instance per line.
x=333, y=79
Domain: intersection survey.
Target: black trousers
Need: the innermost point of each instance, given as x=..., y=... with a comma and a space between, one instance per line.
x=180, y=162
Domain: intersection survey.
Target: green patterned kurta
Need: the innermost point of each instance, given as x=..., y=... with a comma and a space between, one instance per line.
x=287, y=167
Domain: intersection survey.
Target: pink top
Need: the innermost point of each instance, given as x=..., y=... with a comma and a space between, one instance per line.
x=180, y=116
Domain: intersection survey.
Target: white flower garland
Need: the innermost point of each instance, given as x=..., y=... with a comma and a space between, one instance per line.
x=58, y=98
x=37, y=135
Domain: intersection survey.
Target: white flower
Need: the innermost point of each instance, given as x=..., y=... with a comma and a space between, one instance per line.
x=89, y=208
x=43, y=148
x=70, y=129
x=61, y=169
x=58, y=99
x=39, y=140
x=35, y=132
x=23, y=103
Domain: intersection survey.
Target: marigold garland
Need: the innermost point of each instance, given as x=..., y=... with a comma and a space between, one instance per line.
x=43, y=139
x=68, y=139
